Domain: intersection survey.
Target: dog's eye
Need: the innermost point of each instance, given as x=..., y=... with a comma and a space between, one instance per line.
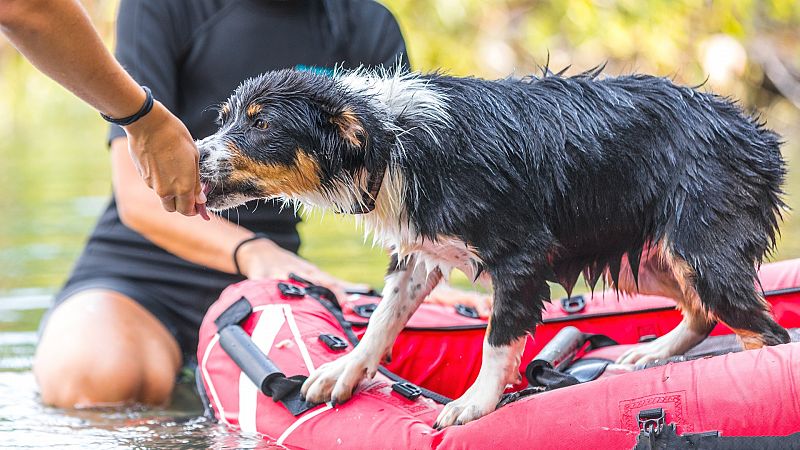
x=261, y=124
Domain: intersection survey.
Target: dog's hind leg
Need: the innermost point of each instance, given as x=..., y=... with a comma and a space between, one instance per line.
x=727, y=288
x=662, y=274
x=517, y=309
x=721, y=268
x=407, y=284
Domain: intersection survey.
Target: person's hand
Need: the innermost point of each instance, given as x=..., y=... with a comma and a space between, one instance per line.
x=443, y=294
x=263, y=259
x=165, y=156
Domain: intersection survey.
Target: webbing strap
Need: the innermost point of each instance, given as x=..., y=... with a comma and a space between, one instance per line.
x=351, y=336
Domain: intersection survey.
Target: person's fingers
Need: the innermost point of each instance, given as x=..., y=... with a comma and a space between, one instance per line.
x=168, y=203
x=184, y=204
x=201, y=209
x=200, y=196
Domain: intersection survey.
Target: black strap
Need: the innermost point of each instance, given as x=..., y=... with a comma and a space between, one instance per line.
x=287, y=391
x=316, y=291
x=598, y=341
x=550, y=379
x=146, y=107
x=332, y=305
x=668, y=439
x=208, y=412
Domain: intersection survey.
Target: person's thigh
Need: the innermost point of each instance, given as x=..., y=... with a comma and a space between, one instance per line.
x=100, y=347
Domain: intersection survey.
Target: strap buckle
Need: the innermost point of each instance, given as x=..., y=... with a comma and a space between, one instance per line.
x=290, y=290
x=652, y=420
x=467, y=311
x=365, y=310
x=334, y=343
x=572, y=305
x=407, y=390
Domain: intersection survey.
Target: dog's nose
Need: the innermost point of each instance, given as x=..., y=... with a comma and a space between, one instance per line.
x=202, y=149
x=203, y=155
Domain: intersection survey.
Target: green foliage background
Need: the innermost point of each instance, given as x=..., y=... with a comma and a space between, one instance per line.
x=54, y=174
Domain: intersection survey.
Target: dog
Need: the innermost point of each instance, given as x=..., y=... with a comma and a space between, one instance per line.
x=516, y=182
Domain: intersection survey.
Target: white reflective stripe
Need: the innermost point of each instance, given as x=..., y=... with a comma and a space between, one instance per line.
x=269, y=324
x=300, y=344
x=248, y=398
x=328, y=406
x=211, y=389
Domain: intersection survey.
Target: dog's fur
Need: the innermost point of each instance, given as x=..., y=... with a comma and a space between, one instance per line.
x=665, y=188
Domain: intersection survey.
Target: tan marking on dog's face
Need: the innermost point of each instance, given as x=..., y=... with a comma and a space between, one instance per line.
x=253, y=109
x=275, y=179
x=350, y=127
x=225, y=110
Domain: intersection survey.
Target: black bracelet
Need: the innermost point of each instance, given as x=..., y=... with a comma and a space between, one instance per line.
x=239, y=246
x=148, y=105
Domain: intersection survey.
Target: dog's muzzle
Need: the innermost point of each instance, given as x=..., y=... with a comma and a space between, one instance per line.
x=214, y=158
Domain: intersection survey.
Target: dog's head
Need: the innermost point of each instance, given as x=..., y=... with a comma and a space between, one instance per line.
x=290, y=134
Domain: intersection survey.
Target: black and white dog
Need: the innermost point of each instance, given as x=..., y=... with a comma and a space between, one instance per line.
x=666, y=189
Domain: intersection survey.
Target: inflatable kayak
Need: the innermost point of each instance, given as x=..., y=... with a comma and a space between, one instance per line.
x=261, y=338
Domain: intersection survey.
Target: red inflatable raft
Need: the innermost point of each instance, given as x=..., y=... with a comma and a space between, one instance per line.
x=287, y=331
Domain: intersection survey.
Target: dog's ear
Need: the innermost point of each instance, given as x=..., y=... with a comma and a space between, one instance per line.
x=350, y=127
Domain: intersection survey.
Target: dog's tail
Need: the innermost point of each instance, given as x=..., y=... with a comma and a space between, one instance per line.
x=755, y=159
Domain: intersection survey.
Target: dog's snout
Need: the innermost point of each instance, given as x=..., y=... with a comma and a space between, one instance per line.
x=211, y=153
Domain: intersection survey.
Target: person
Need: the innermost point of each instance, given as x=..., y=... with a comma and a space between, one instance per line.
x=161, y=146
x=127, y=318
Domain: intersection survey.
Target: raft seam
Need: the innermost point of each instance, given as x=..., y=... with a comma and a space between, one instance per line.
x=302, y=420
x=211, y=388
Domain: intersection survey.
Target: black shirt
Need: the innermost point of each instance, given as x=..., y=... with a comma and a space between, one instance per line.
x=193, y=54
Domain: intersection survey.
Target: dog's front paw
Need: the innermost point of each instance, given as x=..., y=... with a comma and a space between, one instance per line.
x=658, y=350
x=470, y=406
x=335, y=381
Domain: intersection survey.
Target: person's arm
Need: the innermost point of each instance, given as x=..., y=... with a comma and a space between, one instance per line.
x=57, y=36
x=208, y=243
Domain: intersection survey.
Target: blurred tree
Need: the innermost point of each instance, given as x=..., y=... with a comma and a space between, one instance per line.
x=51, y=145
x=690, y=40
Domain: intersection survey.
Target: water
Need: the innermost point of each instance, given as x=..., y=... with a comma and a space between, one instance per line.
x=26, y=423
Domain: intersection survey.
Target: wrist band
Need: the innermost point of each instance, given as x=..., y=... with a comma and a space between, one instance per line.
x=239, y=246
x=146, y=107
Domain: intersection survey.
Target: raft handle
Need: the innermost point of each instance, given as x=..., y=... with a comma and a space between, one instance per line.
x=258, y=367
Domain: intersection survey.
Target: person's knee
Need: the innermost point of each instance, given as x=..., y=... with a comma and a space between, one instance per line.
x=98, y=348
x=82, y=372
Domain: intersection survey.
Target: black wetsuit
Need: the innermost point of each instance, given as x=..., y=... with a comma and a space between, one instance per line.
x=192, y=54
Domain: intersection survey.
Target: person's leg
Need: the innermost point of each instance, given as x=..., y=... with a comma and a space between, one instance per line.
x=100, y=347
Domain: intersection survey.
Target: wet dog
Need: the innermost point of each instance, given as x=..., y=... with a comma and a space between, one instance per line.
x=666, y=189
